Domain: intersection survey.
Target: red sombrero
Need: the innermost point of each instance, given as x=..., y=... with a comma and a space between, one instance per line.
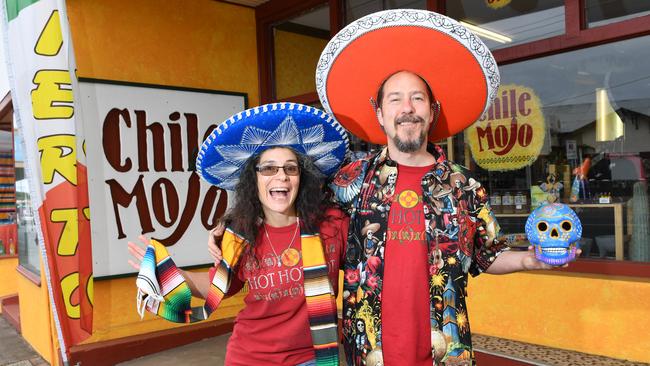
x=458, y=67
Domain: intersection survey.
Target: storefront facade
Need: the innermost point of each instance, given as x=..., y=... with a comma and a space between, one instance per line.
x=575, y=92
x=191, y=49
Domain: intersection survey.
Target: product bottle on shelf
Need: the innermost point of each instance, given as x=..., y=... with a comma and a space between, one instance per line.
x=495, y=201
x=521, y=202
x=507, y=203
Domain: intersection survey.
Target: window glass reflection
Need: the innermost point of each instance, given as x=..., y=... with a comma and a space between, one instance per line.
x=28, y=248
x=7, y=192
x=504, y=23
x=355, y=9
x=601, y=12
x=593, y=151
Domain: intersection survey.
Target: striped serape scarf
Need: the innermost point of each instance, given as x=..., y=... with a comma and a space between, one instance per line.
x=163, y=291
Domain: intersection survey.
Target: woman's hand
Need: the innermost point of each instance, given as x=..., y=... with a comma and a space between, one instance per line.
x=137, y=251
x=214, y=242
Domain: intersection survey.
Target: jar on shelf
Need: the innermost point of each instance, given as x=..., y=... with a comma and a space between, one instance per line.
x=507, y=203
x=495, y=202
x=12, y=248
x=521, y=202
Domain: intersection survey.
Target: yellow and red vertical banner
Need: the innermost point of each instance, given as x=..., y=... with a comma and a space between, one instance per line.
x=41, y=73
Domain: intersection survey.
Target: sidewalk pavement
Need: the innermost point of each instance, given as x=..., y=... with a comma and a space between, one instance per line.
x=210, y=351
x=14, y=351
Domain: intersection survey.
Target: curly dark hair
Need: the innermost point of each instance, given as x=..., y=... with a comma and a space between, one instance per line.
x=246, y=213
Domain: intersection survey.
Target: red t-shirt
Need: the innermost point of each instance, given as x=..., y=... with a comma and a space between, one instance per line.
x=273, y=327
x=406, y=325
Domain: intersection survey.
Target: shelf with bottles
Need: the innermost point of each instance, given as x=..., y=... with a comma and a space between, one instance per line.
x=608, y=234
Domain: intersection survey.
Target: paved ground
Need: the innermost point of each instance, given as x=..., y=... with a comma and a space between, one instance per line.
x=210, y=351
x=14, y=351
x=542, y=356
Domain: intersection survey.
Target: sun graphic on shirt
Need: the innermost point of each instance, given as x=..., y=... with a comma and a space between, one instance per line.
x=408, y=199
x=461, y=320
x=451, y=261
x=437, y=281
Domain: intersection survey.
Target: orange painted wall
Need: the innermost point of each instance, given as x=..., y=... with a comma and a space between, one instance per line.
x=9, y=283
x=201, y=44
x=35, y=317
x=115, y=314
x=296, y=56
x=601, y=315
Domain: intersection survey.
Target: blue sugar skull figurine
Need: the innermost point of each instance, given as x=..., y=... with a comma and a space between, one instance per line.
x=554, y=230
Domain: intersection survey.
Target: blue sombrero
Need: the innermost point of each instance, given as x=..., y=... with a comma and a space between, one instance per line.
x=305, y=129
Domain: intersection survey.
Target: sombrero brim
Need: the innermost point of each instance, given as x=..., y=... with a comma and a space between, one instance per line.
x=374, y=227
x=458, y=67
x=305, y=129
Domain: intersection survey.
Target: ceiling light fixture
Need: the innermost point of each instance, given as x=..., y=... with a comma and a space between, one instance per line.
x=609, y=125
x=487, y=33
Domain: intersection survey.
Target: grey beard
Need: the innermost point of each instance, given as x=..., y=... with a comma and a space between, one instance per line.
x=410, y=146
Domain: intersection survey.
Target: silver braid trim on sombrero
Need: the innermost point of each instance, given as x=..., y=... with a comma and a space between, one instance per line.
x=287, y=134
x=407, y=17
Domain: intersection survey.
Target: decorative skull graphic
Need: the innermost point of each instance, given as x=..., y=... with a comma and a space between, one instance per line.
x=554, y=230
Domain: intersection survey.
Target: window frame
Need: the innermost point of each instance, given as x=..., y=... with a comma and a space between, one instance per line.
x=270, y=13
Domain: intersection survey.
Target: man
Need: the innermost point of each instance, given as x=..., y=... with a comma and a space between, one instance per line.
x=416, y=296
x=427, y=78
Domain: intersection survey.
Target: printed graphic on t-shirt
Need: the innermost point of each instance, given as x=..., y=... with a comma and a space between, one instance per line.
x=275, y=277
x=409, y=198
x=406, y=219
x=330, y=257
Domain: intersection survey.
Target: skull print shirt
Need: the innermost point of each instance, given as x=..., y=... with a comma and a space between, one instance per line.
x=460, y=231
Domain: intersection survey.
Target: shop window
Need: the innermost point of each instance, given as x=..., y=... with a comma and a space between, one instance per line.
x=355, y=9
x=8, y=245
x=27, y=238
x=356, y=144
x=573, y=127
x=601, y=12
x=505, y=23
x=297, y=44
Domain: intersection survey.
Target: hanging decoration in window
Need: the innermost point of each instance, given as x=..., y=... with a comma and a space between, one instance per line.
x=511, y=134
x=497, y=4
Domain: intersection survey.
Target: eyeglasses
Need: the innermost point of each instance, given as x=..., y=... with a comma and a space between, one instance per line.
x=271, y=170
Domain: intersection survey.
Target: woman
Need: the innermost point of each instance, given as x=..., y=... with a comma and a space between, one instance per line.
x=285, y=242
